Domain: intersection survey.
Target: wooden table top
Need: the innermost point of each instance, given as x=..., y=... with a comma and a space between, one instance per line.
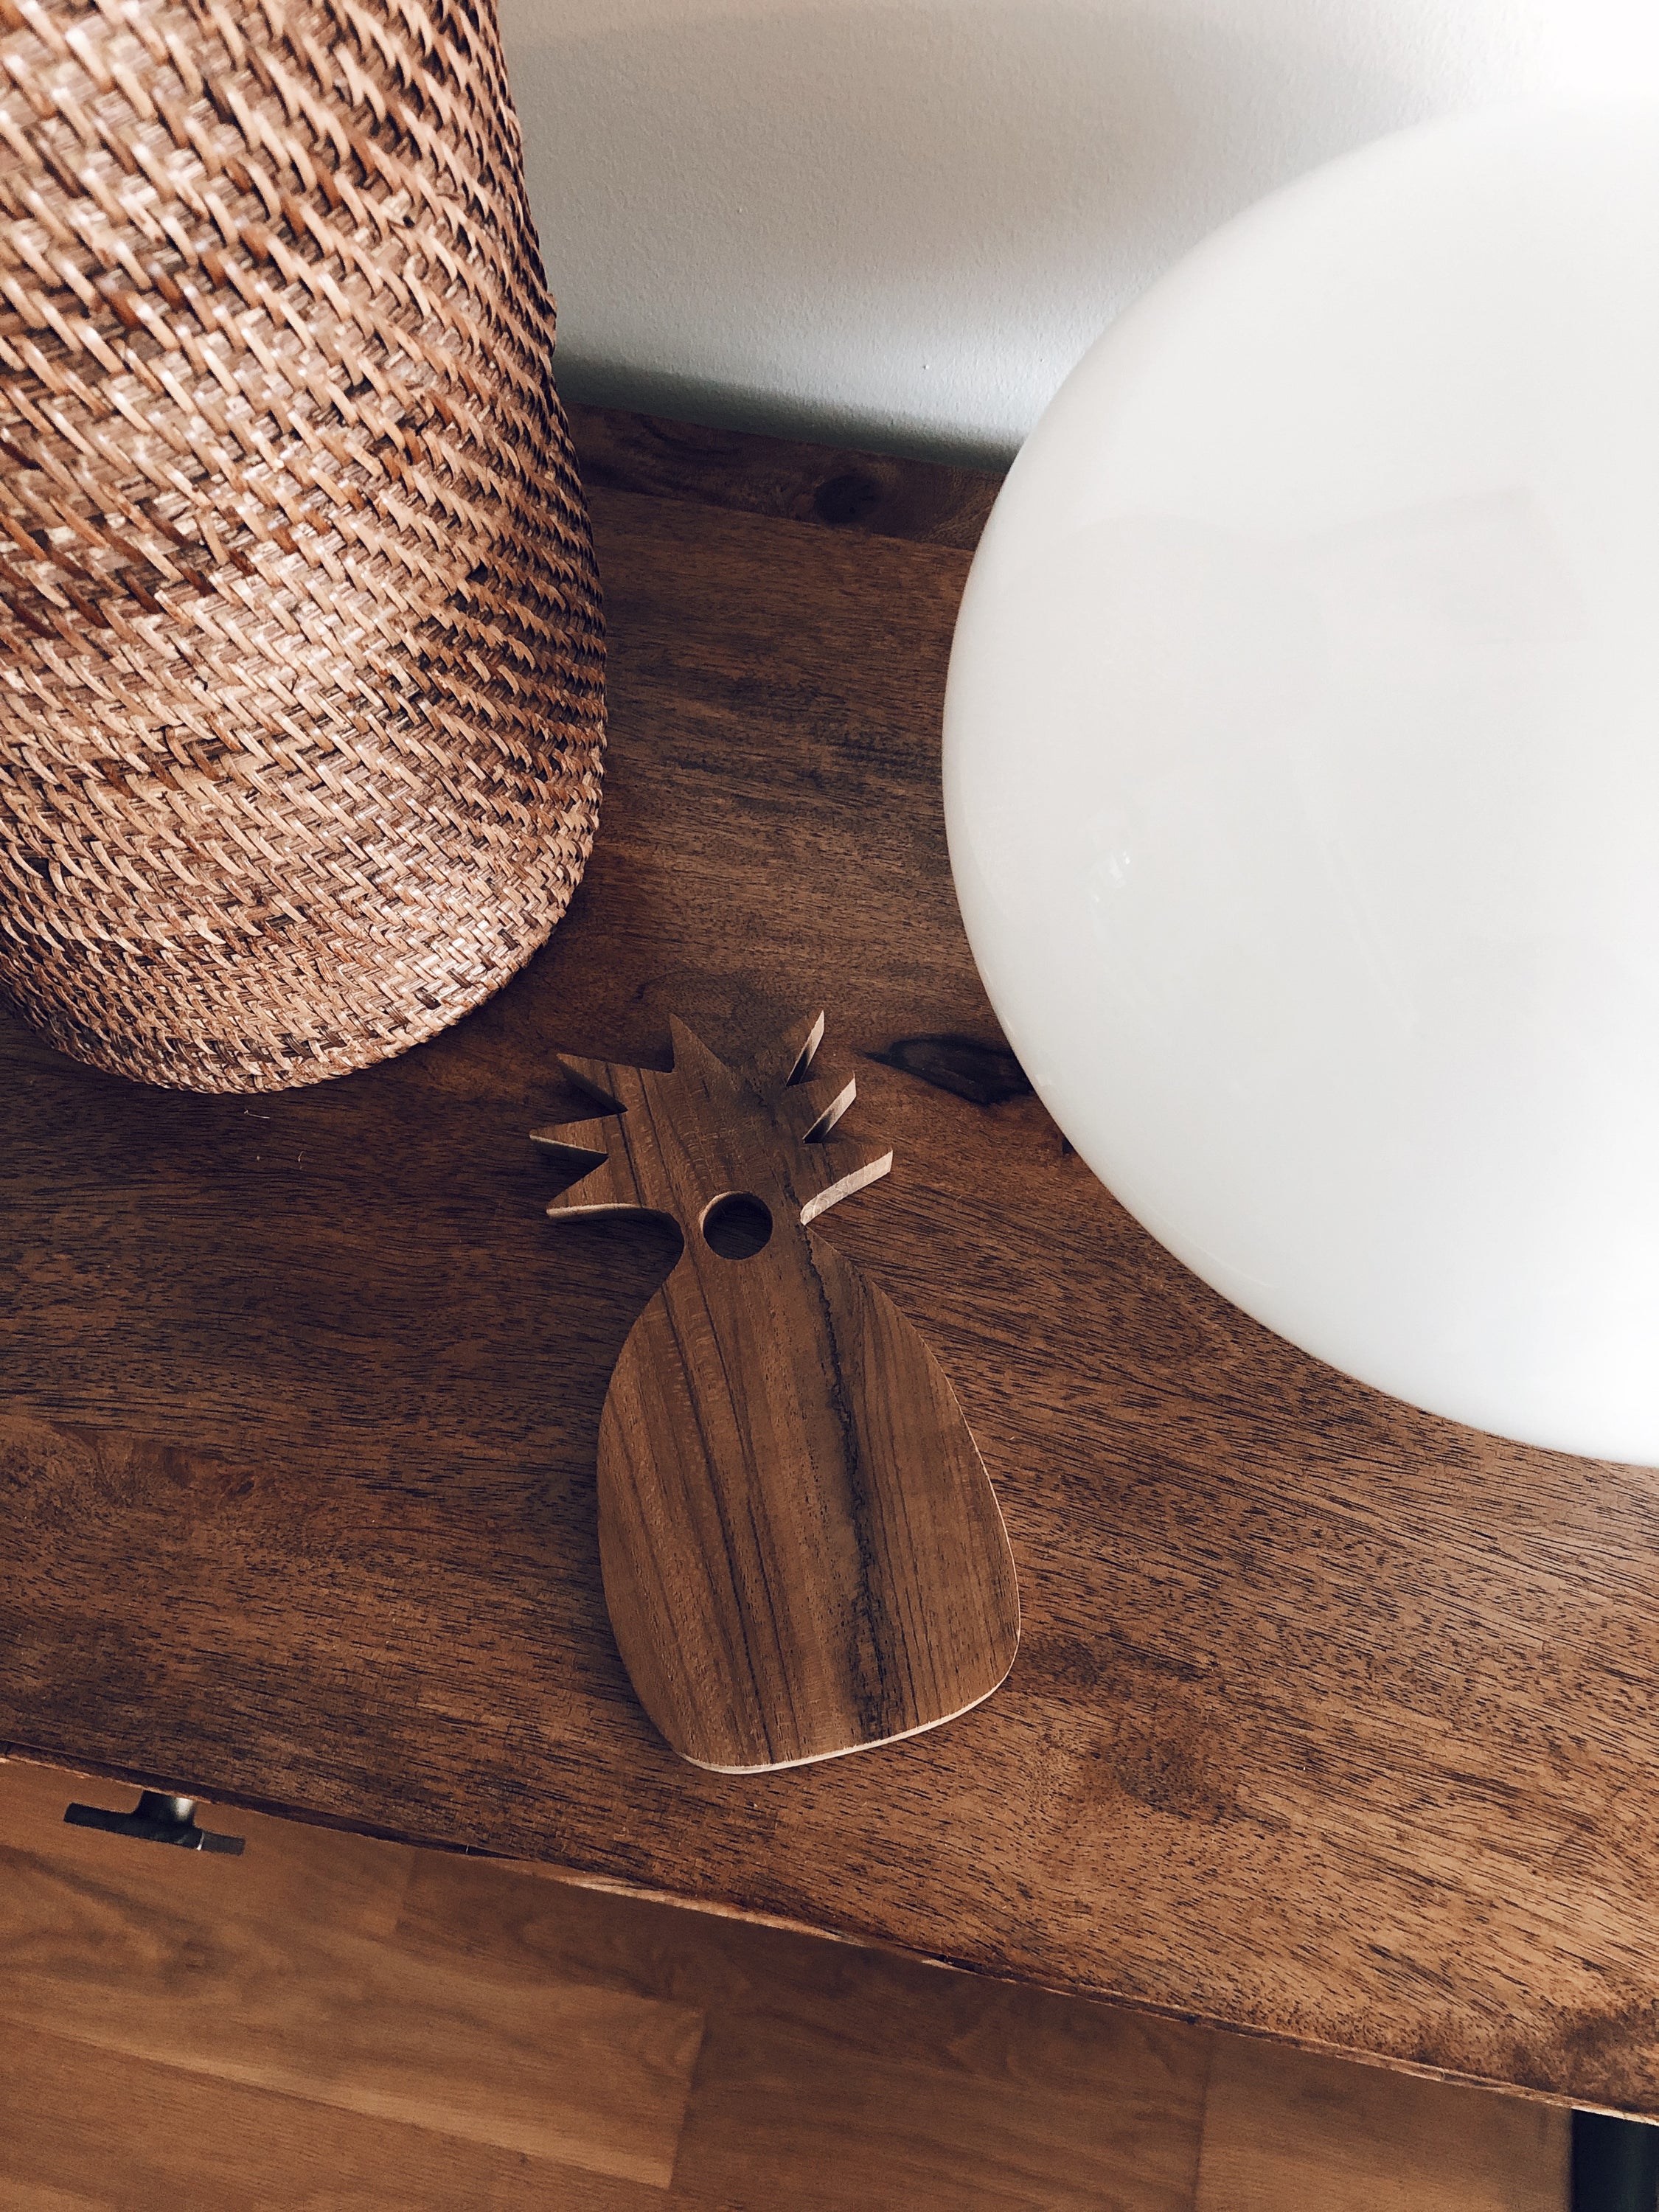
x=1331, y=1721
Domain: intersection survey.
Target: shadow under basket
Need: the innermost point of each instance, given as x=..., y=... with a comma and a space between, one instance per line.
x=301, y=671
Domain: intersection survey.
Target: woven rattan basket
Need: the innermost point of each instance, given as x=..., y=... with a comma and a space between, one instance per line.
x=300, y=664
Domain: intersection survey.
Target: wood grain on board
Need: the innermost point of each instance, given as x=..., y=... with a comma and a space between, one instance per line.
x=1332, y=1720
x=802, y=1554
x=353, y=2023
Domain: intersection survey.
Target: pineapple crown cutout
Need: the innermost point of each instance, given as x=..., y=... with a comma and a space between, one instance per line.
x=703, y=1133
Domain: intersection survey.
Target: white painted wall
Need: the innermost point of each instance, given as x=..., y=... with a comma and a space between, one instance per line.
x=898, y=222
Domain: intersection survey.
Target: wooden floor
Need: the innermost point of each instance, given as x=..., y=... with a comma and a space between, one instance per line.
x=332, y=2023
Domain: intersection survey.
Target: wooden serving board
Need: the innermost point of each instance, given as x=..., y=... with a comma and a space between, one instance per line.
x=802, y=1555
x=1330, y=1720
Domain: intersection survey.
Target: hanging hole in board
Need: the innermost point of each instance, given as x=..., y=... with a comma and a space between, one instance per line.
x=737, y=1226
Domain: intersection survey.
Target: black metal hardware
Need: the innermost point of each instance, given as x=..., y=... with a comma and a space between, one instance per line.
x=157, y=1819
x=1615, y=2164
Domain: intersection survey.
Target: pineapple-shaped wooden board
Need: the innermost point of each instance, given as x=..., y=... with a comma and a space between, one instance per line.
x=802, y=1553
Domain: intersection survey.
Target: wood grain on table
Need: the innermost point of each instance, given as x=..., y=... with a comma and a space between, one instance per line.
x=1332, y=1721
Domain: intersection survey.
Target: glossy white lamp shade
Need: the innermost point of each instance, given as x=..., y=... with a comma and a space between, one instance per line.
x=1302, y=767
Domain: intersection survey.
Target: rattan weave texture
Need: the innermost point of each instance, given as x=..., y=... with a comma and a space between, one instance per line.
x=300, y=648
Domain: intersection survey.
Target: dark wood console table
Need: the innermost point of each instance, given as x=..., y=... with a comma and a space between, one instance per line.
x=1331, y=1721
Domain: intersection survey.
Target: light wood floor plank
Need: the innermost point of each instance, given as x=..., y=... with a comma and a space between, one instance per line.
x=234, y=1968
x=85, y=2130
x=336, y=2025
x=1288, y=2131
x=832, y=2077
x=780, y=2116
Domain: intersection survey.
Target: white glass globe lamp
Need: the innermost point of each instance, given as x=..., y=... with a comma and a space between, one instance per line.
x=1302, y=767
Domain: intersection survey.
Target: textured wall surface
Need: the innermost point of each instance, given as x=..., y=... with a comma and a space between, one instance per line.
x=900, y=221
